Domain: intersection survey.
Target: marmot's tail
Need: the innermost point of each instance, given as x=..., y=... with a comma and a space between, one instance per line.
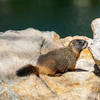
x=26, y=70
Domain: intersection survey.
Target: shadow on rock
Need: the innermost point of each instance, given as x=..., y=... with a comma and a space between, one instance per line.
x=96, y=70
x=78, y=70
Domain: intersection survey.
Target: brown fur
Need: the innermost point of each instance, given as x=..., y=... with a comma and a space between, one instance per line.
x=59, y=60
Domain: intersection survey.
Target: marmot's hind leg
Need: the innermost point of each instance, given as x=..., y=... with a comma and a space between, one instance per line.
x=27, y=70
x=56, y=74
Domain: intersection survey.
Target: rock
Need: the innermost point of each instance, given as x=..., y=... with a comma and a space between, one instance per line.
x=65, y=41
x=95, y=49
x=81, y=84
x=51, y=43
x=95, y=46
x=85, y=61
x=24, y=47
x=95, y=25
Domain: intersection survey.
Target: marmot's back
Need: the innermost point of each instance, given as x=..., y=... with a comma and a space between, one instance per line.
x=64, y=58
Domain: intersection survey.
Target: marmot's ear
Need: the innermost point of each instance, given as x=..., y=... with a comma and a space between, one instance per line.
x=25, y=70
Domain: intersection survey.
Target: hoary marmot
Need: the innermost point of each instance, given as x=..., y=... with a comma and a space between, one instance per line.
x=57, y=61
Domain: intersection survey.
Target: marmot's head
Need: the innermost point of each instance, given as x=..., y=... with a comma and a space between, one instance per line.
x=78, y=45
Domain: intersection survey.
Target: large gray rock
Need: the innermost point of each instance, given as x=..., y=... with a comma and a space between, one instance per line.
x=21, y=47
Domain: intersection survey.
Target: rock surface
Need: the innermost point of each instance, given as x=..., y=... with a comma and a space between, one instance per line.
x=81, y=84
x=95, y=46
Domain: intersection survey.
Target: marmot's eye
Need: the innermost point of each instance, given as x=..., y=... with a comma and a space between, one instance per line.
x=79, y=41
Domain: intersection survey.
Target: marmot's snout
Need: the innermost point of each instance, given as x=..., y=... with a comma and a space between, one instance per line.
x=83, y=44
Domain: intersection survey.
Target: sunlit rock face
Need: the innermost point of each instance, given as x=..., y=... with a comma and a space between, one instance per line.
x=21, y=47
x=95, y=46
x=95, y=25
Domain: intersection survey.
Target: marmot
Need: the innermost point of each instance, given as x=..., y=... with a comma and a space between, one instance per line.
x=57, y=61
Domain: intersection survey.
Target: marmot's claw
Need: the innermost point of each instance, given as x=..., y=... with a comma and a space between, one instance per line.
x=58, y=74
